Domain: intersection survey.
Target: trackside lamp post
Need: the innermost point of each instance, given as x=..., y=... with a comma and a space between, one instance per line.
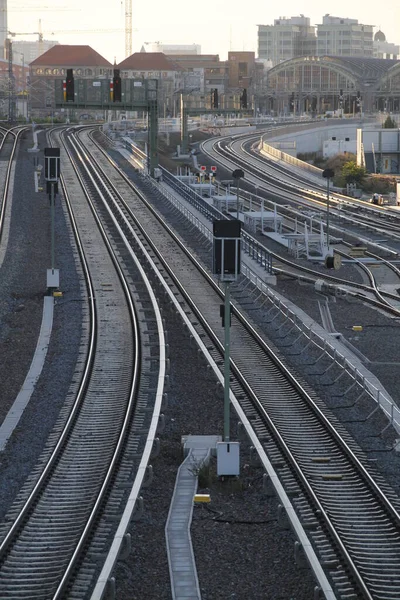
x=237, y=175
x=328, y=174
x=52, y=175
x=226, y=264
x=332, y=261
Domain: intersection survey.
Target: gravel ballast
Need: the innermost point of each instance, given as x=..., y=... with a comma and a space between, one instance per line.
x=241, y=550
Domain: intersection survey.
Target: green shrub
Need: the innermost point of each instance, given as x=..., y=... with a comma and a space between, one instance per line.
x=379, y=184
x=352, y=173
x=389, y=123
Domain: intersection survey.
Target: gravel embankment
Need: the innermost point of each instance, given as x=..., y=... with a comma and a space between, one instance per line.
x=23, y=285
x=241, y=550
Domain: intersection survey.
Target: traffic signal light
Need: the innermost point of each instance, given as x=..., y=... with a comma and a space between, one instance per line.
x=70, y=92
x=292, y=100
x=117, y=86
x=214, y=96
x=243, y=99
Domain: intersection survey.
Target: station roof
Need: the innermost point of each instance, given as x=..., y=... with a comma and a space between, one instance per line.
x=363, y=68
x=369, y=71
x=63, y=55
x=149, y=61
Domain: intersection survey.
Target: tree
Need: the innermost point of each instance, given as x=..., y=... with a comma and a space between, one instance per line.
x=352, y=173
x=336, y=163
x=389, y=123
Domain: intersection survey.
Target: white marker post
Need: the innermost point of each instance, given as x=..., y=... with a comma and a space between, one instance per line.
x=52, y=175
x=226, y=264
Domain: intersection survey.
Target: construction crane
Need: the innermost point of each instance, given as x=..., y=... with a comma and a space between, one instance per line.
x=72, y=31
x=55, y=31
x=128, y=28
x=40, y=33
x=38, y=8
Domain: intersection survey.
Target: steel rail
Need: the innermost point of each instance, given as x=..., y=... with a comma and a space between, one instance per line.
x=365, y=474
x=45, y=477
x=298, y=193
x=7, y=178
x=90, y=173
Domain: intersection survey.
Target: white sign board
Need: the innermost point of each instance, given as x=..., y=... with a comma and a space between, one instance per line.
x=96, y=83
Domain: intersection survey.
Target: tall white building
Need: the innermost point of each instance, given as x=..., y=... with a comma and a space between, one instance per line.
x=25, y=52
x=175, y=48
x=285, y=39
x=344, y=37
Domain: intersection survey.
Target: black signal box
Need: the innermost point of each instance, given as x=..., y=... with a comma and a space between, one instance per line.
x=226, y=249
x=52, y=164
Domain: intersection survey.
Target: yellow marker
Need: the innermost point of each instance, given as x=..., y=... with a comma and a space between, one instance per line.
x=202, y=498
x=357, y=328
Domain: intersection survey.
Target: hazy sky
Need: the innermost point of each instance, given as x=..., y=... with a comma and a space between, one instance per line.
x=217, y=26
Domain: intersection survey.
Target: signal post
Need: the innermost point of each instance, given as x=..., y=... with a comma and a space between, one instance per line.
x=226, y=264
x=52, y=175
x=114, y=94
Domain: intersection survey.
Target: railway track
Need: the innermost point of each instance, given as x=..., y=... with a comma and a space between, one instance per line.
x=8, y=149
x=382, y=295
x=65, y=513
x=328, y=476
x=350, y=514
x=278, y=185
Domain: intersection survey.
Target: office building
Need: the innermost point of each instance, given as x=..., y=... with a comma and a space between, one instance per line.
x=344, y=37
x=285, y=39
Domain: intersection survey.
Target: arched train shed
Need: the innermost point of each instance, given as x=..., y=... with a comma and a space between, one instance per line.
x=316, y=84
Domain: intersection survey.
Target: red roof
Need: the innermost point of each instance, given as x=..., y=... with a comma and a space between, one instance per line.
x=149, y=61
x=71, y=56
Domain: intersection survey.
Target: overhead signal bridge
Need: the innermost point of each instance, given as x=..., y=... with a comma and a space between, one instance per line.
x=117, y=94
x=188, y=111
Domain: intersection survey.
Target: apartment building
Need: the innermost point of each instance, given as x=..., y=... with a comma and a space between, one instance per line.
x=285, y=39
x=344, y=37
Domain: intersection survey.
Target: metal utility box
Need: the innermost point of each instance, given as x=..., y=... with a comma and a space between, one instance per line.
x=53, y=278
x=226, y=249
x=228, y=458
